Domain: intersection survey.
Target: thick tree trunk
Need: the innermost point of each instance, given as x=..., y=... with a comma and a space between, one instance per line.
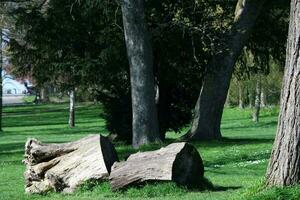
x=140, y=55
x=1, y=86
x=209, y=108
x=284, y=166
x=63, y=167
x=72, y=109
x=178, y=162
x=241, y=95
x=255, y=115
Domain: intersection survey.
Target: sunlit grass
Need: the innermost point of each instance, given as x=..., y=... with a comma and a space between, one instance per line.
x=235, y=165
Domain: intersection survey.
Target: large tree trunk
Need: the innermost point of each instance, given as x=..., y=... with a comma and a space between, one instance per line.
x=284, y=166
x=255, y=116
x=72, y=109
x=140, y=55
x=63, y=167
x=241, y=95
x=209, y=108
x=1, y=86
x=178, y=162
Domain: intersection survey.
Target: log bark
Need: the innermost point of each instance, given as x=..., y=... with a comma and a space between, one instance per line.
x=63, y=167
x=178, y=162
x=284, y=165
x=139, y=49
x=210, y=104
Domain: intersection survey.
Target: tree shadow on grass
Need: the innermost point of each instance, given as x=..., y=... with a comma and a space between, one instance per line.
x=246, y=140
x=164, y=188
x=258, y=125
x=84, y=131
x=218, y=188
x=224, y=142
x=11, y=147
x=43, y=122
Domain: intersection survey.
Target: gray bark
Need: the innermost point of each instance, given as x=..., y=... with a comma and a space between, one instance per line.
x=64, y=167
x=284, y=165
x=209, y=107
x=1, y=86
x=250, y=97
x=263, y=97
x=178, y=162
x=256, y=111
x=139, y=50
x=44, y=94
x=72, y=109
x=228, y=99
x=241, y=95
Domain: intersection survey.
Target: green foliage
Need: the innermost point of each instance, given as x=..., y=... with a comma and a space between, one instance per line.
x=271, y=85
x=267, y=43
x=81, y=44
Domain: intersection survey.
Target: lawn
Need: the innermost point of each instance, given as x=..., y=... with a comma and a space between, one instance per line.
x=236, y=165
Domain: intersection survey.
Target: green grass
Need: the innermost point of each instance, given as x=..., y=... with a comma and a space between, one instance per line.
x=29, y=99
x=235, y=165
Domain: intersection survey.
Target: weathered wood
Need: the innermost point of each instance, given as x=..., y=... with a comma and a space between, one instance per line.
x=178, y=162
x=63, y=167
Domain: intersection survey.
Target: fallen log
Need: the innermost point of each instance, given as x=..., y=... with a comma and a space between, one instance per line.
x=63, y=167
x=178, y=162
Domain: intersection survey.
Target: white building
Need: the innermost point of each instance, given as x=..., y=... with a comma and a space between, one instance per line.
x=11, y=86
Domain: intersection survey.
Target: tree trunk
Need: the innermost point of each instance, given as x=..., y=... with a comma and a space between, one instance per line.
x=178, y=162
x=241, y=95
x=63, y=167
x=255, y=116
x=228, y=99
x=44, y=94
x=140, y=56
x=209, y=108
x=250, y=97
x=263, y=97
x=72, y=109
x=1, y=86
x=284, y=166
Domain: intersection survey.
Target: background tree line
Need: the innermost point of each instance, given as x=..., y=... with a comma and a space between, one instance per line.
x=79, y=46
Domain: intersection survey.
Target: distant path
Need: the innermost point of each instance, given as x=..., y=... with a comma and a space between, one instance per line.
x=11, y=100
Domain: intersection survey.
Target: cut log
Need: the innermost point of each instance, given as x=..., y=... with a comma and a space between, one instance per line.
x=178, y=162
x=63, y=167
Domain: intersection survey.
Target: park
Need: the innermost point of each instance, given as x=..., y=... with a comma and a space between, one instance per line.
x=136, y=99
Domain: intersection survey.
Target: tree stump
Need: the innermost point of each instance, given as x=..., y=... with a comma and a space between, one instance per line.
x=178, y=162
x=63, y=167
